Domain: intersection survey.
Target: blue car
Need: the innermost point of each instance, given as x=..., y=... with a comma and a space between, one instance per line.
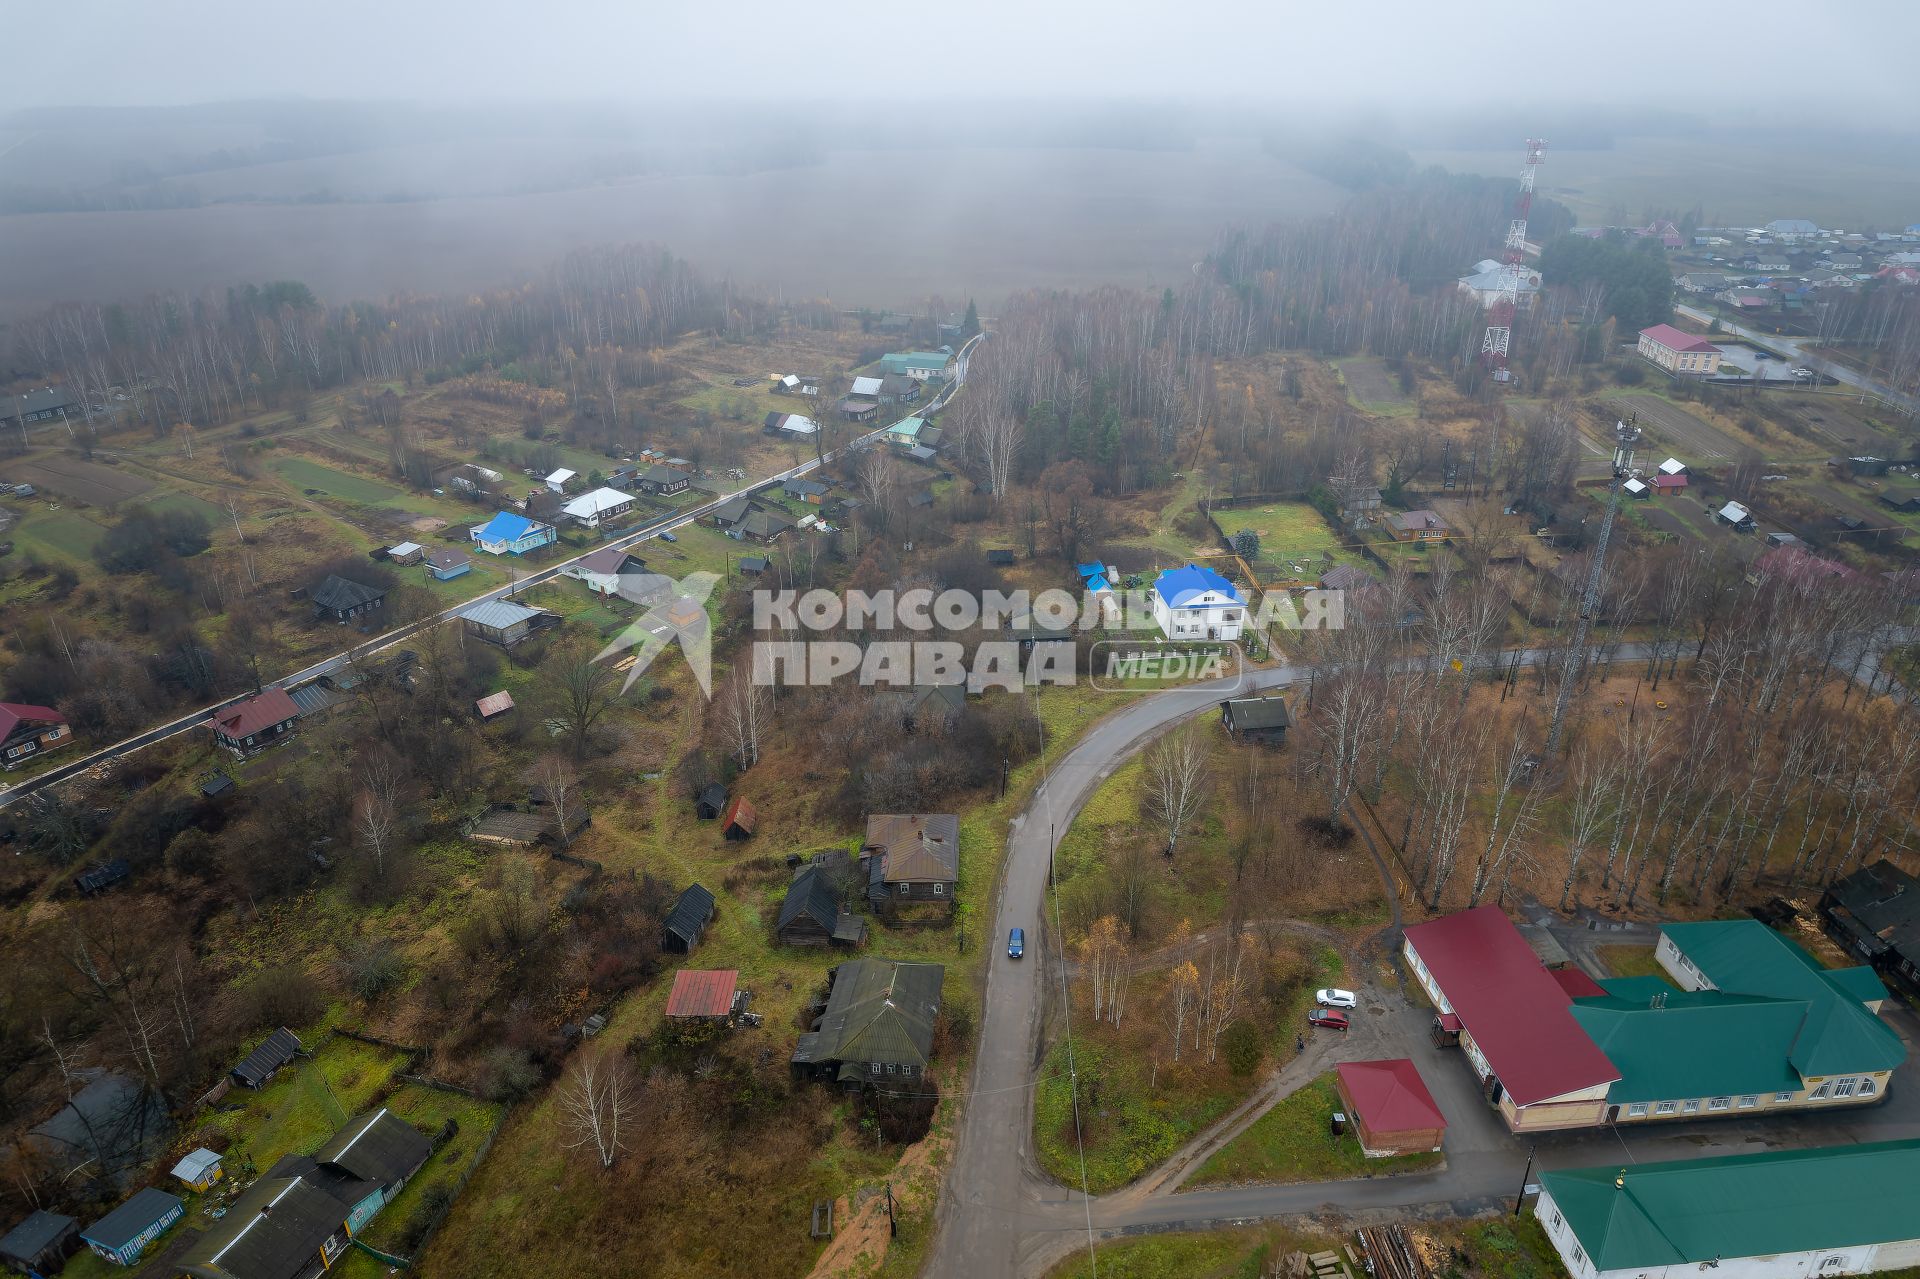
x=1016, y=943
x=666, y=536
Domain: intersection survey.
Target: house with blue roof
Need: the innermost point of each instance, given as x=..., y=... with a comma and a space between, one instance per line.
x=1195, y=603
x=510, y=534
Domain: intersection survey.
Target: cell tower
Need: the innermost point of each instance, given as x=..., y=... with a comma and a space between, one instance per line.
x=1493, y=347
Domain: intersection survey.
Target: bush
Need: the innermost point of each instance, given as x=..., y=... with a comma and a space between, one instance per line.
x=508, y=1074
x=373, y=969
x=286, y=995
x=1242, y=1042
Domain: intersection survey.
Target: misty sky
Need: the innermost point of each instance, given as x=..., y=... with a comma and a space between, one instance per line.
x=1404, y=57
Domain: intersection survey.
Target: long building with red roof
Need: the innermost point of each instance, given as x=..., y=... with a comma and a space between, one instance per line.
x=1513, y=1019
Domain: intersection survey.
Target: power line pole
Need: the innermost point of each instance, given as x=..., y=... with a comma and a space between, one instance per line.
x=1589, y=597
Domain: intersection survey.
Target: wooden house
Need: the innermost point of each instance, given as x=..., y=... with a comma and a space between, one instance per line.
x=340, y=599
x=260, y=1065
x=811, y=914
x=1256, y=719
x=448, y=563
x=123, y=1234
x=739, y=820
x=505, y=623
x=663, y=480
x=912, y=857
x=252, y=724
x=27, y=730
x=687, y=921
x=877, y=1026
x=710, y=802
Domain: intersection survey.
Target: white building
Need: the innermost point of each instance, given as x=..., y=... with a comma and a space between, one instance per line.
x=559, y=480
x=1780, y=1214
x=1194, y=603
x=1490, y=279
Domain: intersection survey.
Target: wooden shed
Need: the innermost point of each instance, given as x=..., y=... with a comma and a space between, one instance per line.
x=740, y=819
x=687, y=921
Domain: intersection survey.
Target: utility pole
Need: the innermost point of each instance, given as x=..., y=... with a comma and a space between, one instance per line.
x=1521, y=1198
x=1589, y=598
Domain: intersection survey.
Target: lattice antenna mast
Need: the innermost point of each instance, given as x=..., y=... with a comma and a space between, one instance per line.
x=1499, y=335
x=1576, y=652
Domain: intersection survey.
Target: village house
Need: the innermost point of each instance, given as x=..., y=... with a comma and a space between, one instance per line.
x=510, y=534
x=406, y=554
x=1392, y=1111
x=1875, y=914
x=687, y=921
x=1418, y=526
x=1256, y=719
x=340, y=599
x=811, y=913
x=470, y=479
x=1670, y=476
x=1737, y=515
x=732, y=511
x=251, y=725
x=912, y=857
x=27, y=730
x=1194, y=603
x=877, y=1026
x=703, y=996
x=905, y=433
x=1774, y=1214
x=562, y=480
x=1679, y=352
x=447, y=563
x=123, y=1234
x=858, y=410
x=40, y=1244
x=601, y=506
x=662, y=480
x=44, y=405
x=763, y=526
x=896, y=389
x=790, y=424
x=505, y=623
x=811, y=492
x=199, y=1169
x=602, y=570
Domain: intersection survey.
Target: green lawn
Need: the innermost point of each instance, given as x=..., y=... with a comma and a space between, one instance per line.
x=1293, y=1142
x=1249, y=1252
x=305, y=1103
x=65, y=535
x=428, y=1109
x=1291, y=534
x=208, y=511
x=1631, y=961
x=306, y=474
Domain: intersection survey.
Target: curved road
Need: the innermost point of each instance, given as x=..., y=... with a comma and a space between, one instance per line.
x=999, y=1217
x=664, y=524
x=1798, y=347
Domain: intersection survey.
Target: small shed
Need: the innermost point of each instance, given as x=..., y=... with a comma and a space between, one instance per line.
x=740, y=819
x=41, y=1244
x=494, y=705
x=216, y=786
x=692, y=912
x=1393, y=1113
x=448, y=563
x=1256, y=719
x=1000, y=559
x=703, y=995
x=200, y=1169
x=98, y=879
x=1635, y=488
x=260, y=1065
x=406, y=553
x=124, y=1233
x=1735, y=514
x=710, y=802
x=752, y=565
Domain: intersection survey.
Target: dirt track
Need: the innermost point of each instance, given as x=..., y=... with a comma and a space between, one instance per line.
x=1692, y=438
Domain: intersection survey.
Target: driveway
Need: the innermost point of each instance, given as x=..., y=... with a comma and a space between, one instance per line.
x=1796, y=349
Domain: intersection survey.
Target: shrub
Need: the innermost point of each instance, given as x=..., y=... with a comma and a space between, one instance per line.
x=1242, y=1042
x=286, y=995
x=373, y=969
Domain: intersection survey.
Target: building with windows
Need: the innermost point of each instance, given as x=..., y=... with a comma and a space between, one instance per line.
x=877, y=1026
x=1779, y=1214
x=27, y=730
x=1195, y=603
x=1679, y=352
x=510, y=534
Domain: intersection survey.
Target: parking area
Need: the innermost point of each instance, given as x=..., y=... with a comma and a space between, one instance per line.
x=1751, y=361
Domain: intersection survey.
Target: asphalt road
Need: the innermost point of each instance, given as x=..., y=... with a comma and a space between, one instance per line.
x=999, y=1216
x=1796, y=347
x=665, y=524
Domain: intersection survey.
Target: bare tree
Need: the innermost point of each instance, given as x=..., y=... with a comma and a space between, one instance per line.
x=582, y=690
x=1000, y=439
x=1588, y=811
x=378, y=808
x=597, y=1102
x=743, y=711
x=1183, y=994
x=1177, y=775
x=560, y=787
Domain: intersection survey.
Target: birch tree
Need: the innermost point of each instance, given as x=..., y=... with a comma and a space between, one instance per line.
x=1176, y=779
x=597, y=1104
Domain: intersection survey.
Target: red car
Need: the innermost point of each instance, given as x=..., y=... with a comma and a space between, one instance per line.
x=1327, y=1019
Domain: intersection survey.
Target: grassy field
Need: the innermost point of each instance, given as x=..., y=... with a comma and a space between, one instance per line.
x=305, y=1103
x=1245, y=1253
x=1294, y=538
x=305, y=474
x=1293, y=1142
x=1631, y=961
x=1374, y=388
x=60, y=535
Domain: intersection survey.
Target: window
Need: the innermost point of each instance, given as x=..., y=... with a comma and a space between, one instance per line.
x=1782, y=1097
x=1866, y=1088
x=1818, y=1094
x=1556, y=1217
x=1720, y=1103
x=873, y=1068
x=1843, y=1087
x=1749, y=1101
x=1638, y=1110
x=939, y=890
x=1666, y=1107
x=1833, y=1262
x=1693, y=1106
x=1579, y=1255
x=903, y=890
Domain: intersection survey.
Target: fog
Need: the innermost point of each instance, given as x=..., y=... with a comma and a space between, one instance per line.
x=1405, y=58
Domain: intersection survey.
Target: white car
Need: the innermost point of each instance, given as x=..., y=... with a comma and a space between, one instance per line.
x=1336, y=999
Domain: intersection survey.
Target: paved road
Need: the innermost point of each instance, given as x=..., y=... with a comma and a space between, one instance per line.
x=664, y=524
x=1000, y=1217
x=1796, y=347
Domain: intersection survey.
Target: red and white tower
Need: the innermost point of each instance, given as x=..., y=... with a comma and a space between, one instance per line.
x=1499, y=336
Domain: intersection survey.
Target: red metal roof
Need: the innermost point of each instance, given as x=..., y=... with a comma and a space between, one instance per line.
x=14, y=714
x=1513, y=1007
x=1669, y=481
x=739, y=813
x=1390, y=1095
x=494, y=704
x=1675, y=339
x=1577, y=984
x=243, y=719
x=702, y=994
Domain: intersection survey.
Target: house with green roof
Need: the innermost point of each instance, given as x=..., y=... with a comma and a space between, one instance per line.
x=877, y=1025
x=1780, y=1214
x=906, y=432
x=1757, y=1024
x=918, y=365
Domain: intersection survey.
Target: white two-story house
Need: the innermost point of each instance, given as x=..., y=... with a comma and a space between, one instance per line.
x=1194, y=603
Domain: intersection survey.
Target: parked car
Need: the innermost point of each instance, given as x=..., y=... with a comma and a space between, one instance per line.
x=667, y=537
x=1327, y=1019
x=1016, y=943
x=1333, y=997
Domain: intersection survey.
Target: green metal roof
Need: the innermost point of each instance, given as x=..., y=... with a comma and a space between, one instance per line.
x=901, y=361
x=1840, y=1036
x=881, y=1010
x=1697, y=1210
x=907, y=428
x=1671, y=1045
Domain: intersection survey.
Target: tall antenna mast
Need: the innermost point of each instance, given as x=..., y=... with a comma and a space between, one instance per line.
x=1590, y=596
x=1499, y=336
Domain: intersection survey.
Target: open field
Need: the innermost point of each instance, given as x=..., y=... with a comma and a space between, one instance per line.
x=1687, y=434
x=84, y=481
x=1245, y=1252
x=1294, y=1141
x=1374, y=388
x=982, y=222
x=1740, y=183
x=66, y=535
x=311, y=475
x=1293, y=536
